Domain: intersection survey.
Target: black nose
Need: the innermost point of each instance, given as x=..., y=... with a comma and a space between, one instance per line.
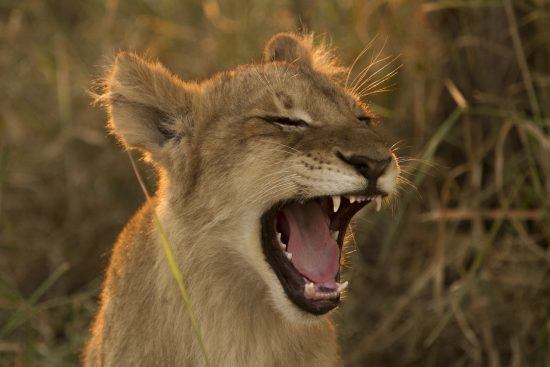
x=368, y=167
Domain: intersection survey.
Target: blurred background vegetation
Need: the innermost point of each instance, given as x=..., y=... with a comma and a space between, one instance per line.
x=455, y=274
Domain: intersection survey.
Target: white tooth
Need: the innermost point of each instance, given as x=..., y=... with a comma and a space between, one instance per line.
x=342, y=286
x=309, y=290
x=334, y=235
x=288, y=255
x=281, y=244
x=378, y=203
x=351, y=199
x=336, y=202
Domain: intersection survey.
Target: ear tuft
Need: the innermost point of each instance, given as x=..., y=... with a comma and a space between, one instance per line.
x=299, y=50
x=290, y=48
x=145, y=102
x=145, y=82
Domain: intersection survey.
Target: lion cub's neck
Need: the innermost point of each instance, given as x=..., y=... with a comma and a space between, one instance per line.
x=237, y=319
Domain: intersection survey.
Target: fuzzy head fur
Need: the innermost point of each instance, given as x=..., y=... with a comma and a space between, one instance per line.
x=221, y=166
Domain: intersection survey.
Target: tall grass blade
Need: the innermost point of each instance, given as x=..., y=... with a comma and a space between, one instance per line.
x=176, y=273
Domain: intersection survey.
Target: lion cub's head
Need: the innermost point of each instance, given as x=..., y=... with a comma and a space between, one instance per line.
x=271, y=160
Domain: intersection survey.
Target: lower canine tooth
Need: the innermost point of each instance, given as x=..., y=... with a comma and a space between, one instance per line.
x=342, y=286
x=281, y=244
x=334, y=235
x=309, y=290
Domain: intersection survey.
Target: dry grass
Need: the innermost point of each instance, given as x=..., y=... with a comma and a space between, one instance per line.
x=457, y=274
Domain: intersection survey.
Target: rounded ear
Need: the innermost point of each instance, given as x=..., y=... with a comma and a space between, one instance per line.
x=290, y=48
x=146, y=103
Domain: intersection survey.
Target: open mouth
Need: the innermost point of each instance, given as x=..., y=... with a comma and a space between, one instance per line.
x=302, y=241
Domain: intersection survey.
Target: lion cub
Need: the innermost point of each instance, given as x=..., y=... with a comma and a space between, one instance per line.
x=261, y=169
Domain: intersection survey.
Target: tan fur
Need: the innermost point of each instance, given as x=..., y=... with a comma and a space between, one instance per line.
x=220, y=169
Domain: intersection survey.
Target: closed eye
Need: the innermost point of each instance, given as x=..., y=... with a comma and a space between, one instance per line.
x=285, y=121
x=368, y=120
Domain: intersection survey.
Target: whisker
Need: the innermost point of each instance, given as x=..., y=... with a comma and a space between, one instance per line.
x=265, y=80
x=364, y=80
x=357, y=59
x=374, y=61
x=377, y=82
x=378, y=91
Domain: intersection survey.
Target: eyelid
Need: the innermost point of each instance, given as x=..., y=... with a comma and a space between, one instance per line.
x=285, y=121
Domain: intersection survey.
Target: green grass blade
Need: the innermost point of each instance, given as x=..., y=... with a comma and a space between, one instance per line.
x=176, y=273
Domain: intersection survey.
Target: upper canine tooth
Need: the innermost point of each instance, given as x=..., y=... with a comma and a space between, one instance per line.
x=378, y=203
x=288, y=255
x=342, y=286
x=334, y=235
x=336, y=202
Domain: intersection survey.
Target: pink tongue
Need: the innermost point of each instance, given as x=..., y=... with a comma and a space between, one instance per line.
x=314, y=253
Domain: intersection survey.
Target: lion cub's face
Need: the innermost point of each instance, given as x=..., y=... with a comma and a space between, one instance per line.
x=277, y=156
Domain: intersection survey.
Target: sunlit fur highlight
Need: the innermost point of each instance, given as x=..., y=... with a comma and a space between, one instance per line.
x=220, y=168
